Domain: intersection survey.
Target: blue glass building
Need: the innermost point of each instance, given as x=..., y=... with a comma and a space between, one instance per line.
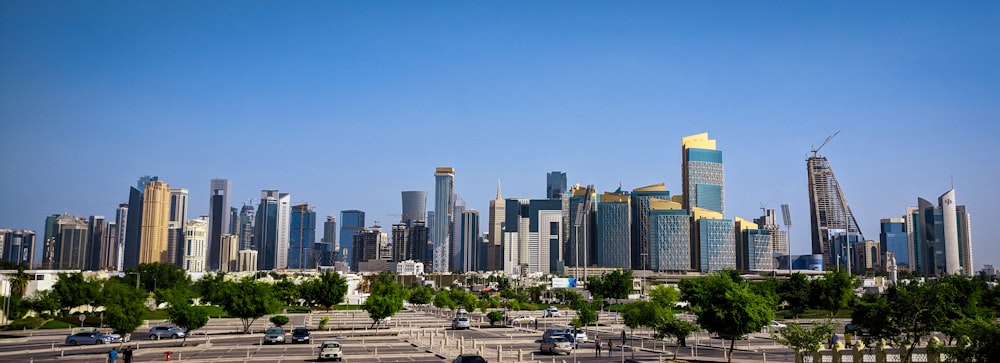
x=716, y=245
x=669, y=237
x=302, y=253
x=641, y=247
x=352, y=222
x=893, y=240
x=614, y=231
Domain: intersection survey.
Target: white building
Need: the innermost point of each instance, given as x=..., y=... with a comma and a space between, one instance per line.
x=195, y=245
x=410, y=267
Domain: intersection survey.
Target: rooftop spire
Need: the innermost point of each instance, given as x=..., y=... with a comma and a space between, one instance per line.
x=498, y=190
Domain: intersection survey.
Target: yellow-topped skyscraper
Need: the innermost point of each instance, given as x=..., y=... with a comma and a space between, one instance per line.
x=702, y=174
x=155, y=222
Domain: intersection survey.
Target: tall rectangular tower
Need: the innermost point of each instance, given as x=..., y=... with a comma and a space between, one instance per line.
x=155, y=223
x=328, y=245
x=894, y=242
x=702, y=173
x=352, y=222
x=444, y=206
x=97, y=235
x=246, y=227
x=178, y=218
x=641, y=246
x=555, y=185
x=614, y=231
x=494, y=251
x=302, y=250
x=218, y=219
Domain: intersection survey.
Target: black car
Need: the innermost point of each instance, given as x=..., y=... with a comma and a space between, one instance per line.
x=469, y=358
x=300, y=335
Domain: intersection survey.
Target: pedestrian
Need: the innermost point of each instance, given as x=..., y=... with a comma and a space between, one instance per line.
x=127, y=355
x=611, y=348
x=597, y=346
x=113, y=355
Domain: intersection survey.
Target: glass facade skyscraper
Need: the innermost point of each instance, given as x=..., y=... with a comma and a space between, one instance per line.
x=444, y=206
x=302, y=250
x=702, y=174
x=614, y=235
x=828, y=209
x=265, y=234
x=352, y=222
x=893, y=240
x=669, y=236
x=218, y=220
x=716, y=245
x=641, y=197
x=555, y=185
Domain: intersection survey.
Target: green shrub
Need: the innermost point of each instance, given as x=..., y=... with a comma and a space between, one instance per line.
x=57, y=324
x=279, y=320
x=297, y=309
x=27, y=323
x=323, y=321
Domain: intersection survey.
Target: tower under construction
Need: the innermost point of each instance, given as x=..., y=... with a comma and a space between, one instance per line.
x=833, y=226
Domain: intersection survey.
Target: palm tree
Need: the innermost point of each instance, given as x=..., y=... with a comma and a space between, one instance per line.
x=19, y=282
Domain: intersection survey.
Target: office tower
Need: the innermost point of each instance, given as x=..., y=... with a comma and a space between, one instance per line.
x=95, y=241
x=456, y=242
x=444, y=206
x=234, y=221
x=66, y=239
x=248, y=260
x=108, y=248
x=469, y=228
x=964, y=240
x=580, y=248
x=669, y=236
x=894, y=242
x=867, y=256
x=614, y=231
x=941, y=237
x=555, y=185
x=951, y=250
x=246, y=227
x=494, y=251
x=229, y=255
x=370, y=245
x=271, y=230
x=779, y=238
x=218, y=219
x=414, y=206
x=195, y=245
x=753, y=247
x=121, y=221
x=640, y=222
x=327, y=247
x=715, y=242
x=175, y=229
x=17, y=247
x=133, y=223
x=302, y=249
x=702, y=173
x=352, y=222
x=531, y=235
x=829, y=213
x=400, y=244
x=155, y=222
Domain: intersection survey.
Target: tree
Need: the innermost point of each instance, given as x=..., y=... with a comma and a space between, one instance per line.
x=586, y=313
x=279, y=320
x=464, y=299
x=616, y=284
x=670, y=326
x=44, y=301
x=124, y=306
x=800, y=339
x=421, y=295
x=155, y=275
x=664, y=296
x=74, y=290
x=386, y=299
x=248, y=300
x=730, y=309
x=978, y=341
x=494, y=316
x=19, y=282
x=905, y=313
x=183, y=314
x=566, y=296
x=443, y=300
x=17, y=307
x=211, y=287
x=326, y=291
x=794, y=292
x=834, y=291
x=286, y=291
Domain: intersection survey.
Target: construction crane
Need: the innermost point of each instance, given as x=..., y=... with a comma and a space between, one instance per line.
x=815, y=150
x=581, y=209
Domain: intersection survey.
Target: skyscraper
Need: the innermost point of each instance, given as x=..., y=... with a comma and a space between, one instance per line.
x=940, y=237
x=779, y=238
x=96, y=238
x=614, y=231
x=121, y=221
x=155, y=222
x=327, y=247
x=641, y=198
x=456, y=245
x=469, y=228
x=66, y=239
x=268, y=230
x=444, y=206
x=17, y=247
x=715, y=242
x=670, y=236
x=555, y=185
x=893, y=241
x=494, y=252
x=352, y=222
x=230, y=253
x=414, y=206
x=580, y=249
x=829, y=213
x=195, y=246
x=302, y=250
x=702, y=173
x=753, y=247
x=178, y=218
x=132, y=223
x=218, y=219
x=246, y=227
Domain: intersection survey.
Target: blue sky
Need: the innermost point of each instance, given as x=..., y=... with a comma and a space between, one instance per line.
x=345, y=104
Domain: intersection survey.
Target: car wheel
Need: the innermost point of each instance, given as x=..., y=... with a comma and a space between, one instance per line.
x=73, y=342
x=174, y=336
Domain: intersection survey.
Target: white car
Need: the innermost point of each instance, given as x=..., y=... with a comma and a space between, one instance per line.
x=552, y=312
x=330, y=350
x=523, y=319
x=777, y=325
x=580, y=335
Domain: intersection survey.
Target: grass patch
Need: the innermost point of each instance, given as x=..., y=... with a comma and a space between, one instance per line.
x=346, y=307
x=813, y=314
x=155, y=315
x=56, y=324
x=26, y=323
x=297, y=309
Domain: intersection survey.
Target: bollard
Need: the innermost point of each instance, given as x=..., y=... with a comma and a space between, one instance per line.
x=53, y=346
x=520, y=355
x=499, y=353
x=763, y=357
x=248, y=353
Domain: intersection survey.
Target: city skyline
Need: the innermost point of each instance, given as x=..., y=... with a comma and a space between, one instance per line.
x=912, y=88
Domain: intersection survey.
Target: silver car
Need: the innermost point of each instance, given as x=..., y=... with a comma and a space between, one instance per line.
x=88, y=337
x=460, y=322
x=556, y=345
x=160, y=332
x=274, y=335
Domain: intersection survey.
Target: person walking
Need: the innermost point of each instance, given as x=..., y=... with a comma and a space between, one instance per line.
x=113, y=355
x=597, y=346
x=127, y=355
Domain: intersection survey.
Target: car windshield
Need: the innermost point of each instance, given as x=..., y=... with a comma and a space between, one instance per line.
x=331, y=345
x=301, y=331
x=274, y=331
x=560, y=340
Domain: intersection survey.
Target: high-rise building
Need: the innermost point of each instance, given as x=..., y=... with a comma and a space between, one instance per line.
x=531, y=235
x=455, y=259
x=829, y=213
x=121, y=221
x=248, y=260
x=327, y=247
x=893, y=241
x=370, y=245
x=494, y=252
x=940, y=237
x=66, y=239
x=753, y=247
x=641, y=246
x=580, y=249
x=444, y=206
x=234, y=221
x=469, y=228
x=669, y=236
x=155, y=222
x=414, y=206
x=555, y=185
x=108, y=248
x=702, y=174
x=284, y=229
x=96, y=238
x=614, y=230
x=246, y=227
x=867, y=256
x=175, y=227
x=964, y=240
x=779, y=238
x=17, y=247
x=267, y=230
x=229, y=253
x=218, y=219
x=195, y=245
x=302, y=252
x=352, y=222
x=133, y=223
x=715, y=248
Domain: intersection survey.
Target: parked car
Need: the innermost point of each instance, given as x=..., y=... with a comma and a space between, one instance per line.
x=579, y=335
x=300, y=335
x=274, y=335
x=556, y=345
x=469, y=358
x=776, y=325
x=460, y=322
x=551, y=312
x=330, y=350
x=88, y=337
x=523, y=319
x=856, y=330
x=165, y=331
x=569, y=337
